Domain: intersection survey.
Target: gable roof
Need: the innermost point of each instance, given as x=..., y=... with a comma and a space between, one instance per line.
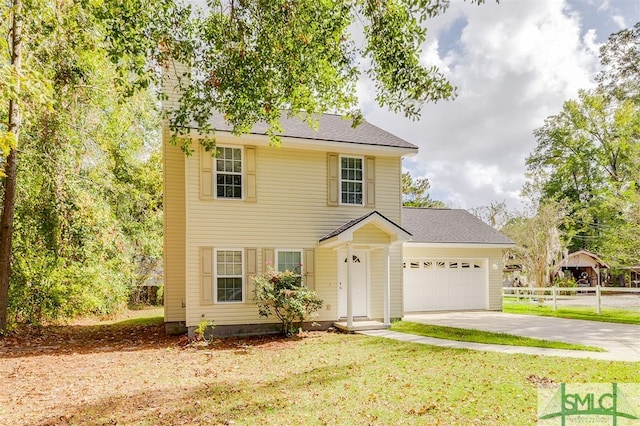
x=344, y=233
x=455, y=226
x=577, y=254
x=331, y=128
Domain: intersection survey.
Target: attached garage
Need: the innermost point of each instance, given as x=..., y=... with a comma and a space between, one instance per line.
x=452, y=262
x=432, y=284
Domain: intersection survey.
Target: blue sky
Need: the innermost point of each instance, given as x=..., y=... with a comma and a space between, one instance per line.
x=514, y=64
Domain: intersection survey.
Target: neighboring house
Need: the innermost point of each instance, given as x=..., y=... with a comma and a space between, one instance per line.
x=453, y=261
x=326, y=199
x=583, y=266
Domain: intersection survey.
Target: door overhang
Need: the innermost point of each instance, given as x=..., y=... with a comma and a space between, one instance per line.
x=343, y=235
x=386, y=233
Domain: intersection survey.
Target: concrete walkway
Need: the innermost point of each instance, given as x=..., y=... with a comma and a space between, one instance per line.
x=621, y=341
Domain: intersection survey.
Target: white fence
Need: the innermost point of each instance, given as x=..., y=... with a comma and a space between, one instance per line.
x=552, y=293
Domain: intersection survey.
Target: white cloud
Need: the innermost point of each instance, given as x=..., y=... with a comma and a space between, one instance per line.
x=514, y=64
x=620, y=21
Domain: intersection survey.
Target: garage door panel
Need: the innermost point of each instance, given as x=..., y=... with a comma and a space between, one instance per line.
x=439, y=284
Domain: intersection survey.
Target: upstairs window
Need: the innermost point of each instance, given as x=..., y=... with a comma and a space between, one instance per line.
x=229, y=173
x=351, y=180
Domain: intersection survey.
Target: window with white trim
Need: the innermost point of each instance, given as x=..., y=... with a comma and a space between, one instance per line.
x=289, y=260
x=352, y=180
x=228, y=171
x=229, y=276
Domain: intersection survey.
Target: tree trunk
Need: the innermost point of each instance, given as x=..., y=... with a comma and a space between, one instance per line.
x=8, y=208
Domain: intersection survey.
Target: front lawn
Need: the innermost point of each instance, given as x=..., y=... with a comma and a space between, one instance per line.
x=574, y=312
x=487, y=337
x=322, y=378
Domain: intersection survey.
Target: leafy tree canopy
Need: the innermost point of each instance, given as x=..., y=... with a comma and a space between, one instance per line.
x=588, y=156
x=414, y=193
x=539, y=241
x=253, y=59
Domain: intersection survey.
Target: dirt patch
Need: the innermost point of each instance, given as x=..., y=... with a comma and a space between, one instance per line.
x=83, y=374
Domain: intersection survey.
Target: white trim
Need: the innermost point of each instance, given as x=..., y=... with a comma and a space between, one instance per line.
x=301, y=251
x=243, y=181
x=363, y=183
x=216, y=276
x=317, y=145
x=396, y=234
x=458, y=245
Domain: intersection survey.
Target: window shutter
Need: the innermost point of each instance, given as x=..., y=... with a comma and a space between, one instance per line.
x=251, y=269
x=206, y=274
x=333, y=179
x=309, y=269
x=206, y=173
x=370, y=181
x=250, y=174
x=268, y=256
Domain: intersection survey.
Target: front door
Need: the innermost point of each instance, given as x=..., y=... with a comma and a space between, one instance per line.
x=358, y=283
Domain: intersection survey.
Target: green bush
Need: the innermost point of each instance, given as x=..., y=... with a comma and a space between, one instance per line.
x=281, y=294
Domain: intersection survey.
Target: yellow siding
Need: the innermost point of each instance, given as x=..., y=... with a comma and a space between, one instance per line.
x=174, y=231
x=290, y=212
x=327, y=276
x=370, y=234
x=397, y=307
x=493, y=256
x=377, y=284
x=171, y=75
x=174, y=206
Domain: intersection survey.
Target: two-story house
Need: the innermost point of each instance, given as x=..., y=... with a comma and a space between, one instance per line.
x=327, y=201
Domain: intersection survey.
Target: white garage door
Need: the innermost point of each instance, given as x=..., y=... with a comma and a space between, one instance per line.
x=445, y=284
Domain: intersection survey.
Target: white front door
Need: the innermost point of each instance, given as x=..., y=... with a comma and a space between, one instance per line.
x=358, y=283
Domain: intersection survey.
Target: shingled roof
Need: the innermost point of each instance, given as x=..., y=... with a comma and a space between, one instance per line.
x=332, y=128
x=356, y=221
x=449, y=226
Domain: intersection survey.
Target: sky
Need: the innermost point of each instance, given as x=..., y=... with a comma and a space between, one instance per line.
x=513, y=64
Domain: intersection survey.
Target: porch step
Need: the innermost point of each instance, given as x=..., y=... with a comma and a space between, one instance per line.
x=360, y=326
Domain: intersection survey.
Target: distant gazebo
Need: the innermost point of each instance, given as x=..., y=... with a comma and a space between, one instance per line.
x=583, y=266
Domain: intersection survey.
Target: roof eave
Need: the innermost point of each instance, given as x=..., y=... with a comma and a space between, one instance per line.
x=396, y=233
x=314, y=144
x=422, y=244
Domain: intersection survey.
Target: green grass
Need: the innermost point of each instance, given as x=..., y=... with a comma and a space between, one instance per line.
x=478, y=336
x=139, y=322
x=340, y=379
x=135, y=318
x=574, y=312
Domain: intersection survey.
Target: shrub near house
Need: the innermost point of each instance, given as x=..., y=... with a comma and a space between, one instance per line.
x=282, y=294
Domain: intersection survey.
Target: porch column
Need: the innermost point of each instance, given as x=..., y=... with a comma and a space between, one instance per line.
x=387, y=287
x=349, y=287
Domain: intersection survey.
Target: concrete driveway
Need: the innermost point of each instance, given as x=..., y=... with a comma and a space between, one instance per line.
x=621, y=341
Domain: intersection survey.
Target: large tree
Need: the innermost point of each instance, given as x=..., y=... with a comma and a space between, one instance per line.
x=588, y=155
x=250, y=59
x=539, y=241
x=496, y=214
x=62, y=56
x=620, y=58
